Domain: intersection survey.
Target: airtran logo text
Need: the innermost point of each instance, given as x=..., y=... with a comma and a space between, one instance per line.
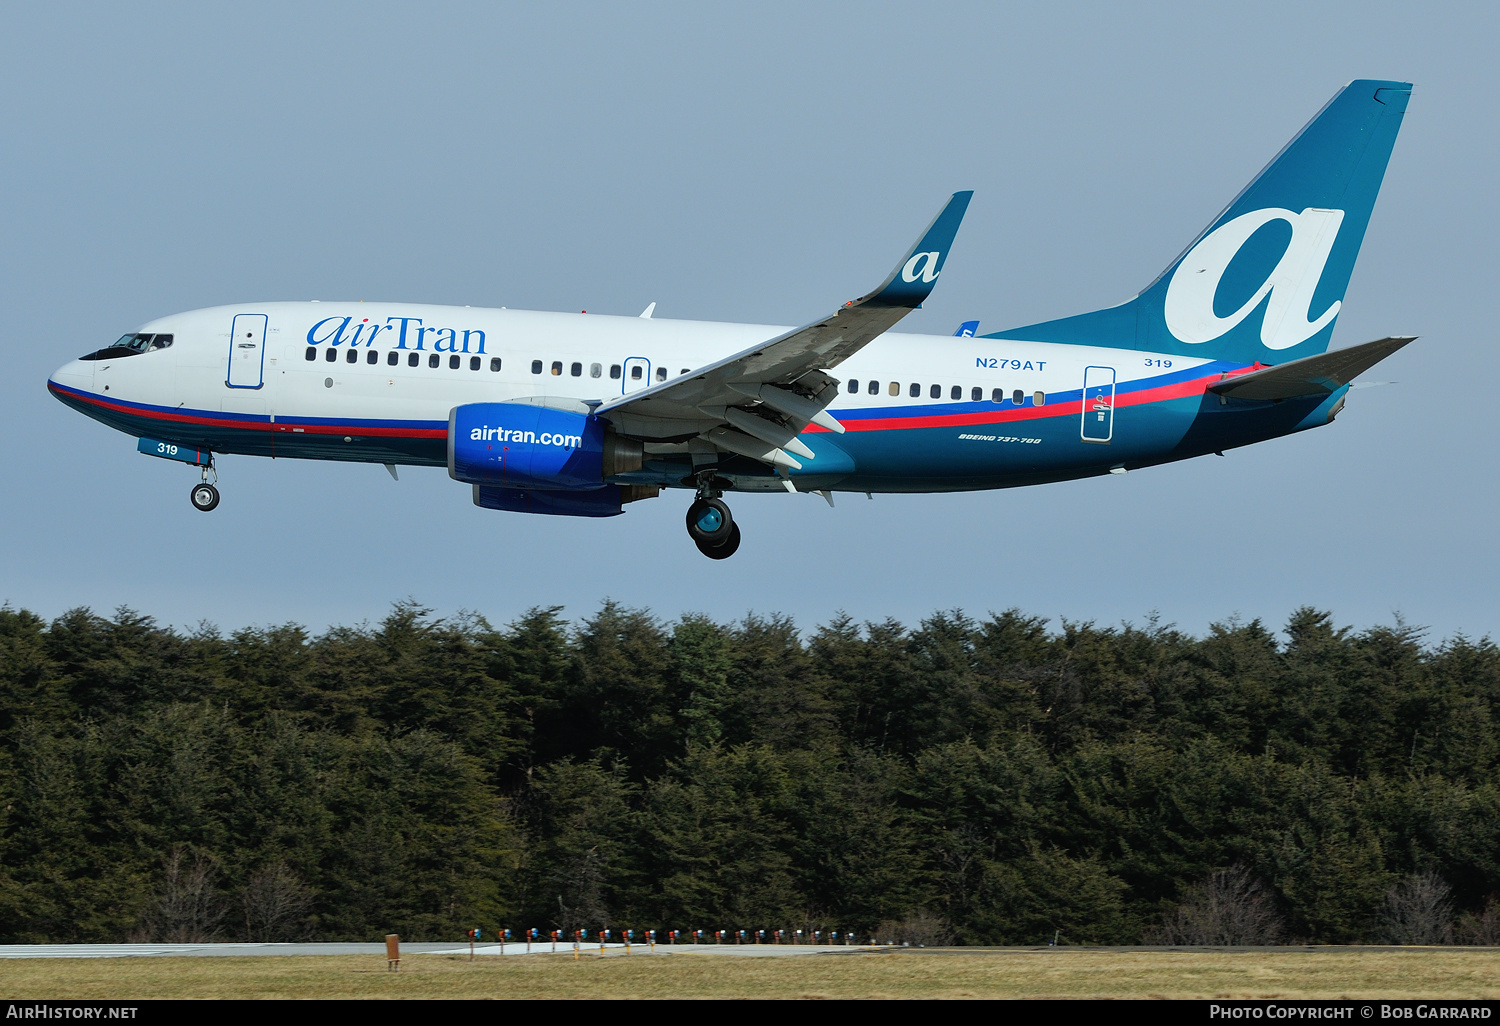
x=1190, y=311
x=406, y=332
x=500, y=434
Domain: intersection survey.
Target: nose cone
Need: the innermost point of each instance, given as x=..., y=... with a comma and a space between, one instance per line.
x=77, y=374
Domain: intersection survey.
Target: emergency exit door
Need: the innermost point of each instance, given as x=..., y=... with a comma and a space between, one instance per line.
x=1098, y=404
x=247, y=351
x=637, y=374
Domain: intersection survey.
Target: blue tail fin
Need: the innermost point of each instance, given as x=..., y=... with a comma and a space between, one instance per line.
x=1266, y=279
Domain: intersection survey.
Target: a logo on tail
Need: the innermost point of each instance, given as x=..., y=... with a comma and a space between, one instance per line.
x=921, y=265
x=1189, y=308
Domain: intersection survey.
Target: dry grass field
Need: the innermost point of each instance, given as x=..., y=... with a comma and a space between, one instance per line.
x=1314, y=973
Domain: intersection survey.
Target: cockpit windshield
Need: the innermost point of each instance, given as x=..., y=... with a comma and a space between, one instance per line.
x=131, y=345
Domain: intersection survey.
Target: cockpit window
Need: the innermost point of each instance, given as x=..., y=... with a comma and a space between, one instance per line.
x=130, y=345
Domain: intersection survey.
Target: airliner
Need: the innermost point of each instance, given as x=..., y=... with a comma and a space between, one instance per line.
x=580, y=414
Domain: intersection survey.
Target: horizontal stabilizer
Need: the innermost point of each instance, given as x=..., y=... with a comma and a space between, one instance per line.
x=1313, y=375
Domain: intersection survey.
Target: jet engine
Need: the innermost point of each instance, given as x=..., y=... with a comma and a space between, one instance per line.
x=535, y=448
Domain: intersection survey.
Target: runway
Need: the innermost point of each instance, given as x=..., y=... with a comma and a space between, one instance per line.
x=203, y=950
x=510, y=949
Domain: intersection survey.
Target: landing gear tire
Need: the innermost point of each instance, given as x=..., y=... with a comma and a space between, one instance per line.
x=204, y=496
x=709, y=522
x=723, y=551
x=712, y=528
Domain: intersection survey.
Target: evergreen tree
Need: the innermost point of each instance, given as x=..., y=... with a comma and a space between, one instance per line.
x=993, y=781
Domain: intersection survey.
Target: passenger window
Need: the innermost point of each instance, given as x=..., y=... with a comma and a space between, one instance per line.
x=937, y=392
x=392, y=358
x=434, y=360
x=895, y=388
x=853, y=387
x=957, y=393
x=1039, y=398
x=997, y=396
x=536, y=366
x=576, y=370
x=312, y=352
x=595, y=370
x=874, y=388
x=352, y=356
x=635, y=372
x=661, y=374
x=614, y=371
x=976, y=394
x=331, y=355
x=915, y=391
x=413, y=359
x=1018, y=397
x=371, y=356
x=556, y=368
x=473, y=363
x=494, y=363
x=686, y=370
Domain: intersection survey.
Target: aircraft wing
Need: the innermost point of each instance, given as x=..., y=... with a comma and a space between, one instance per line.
x=756, y=402
x=1312, y=375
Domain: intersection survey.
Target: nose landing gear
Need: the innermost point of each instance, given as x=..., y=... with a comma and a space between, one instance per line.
x=205, y=496
x=712, y=526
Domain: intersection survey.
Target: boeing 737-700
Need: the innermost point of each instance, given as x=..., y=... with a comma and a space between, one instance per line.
x=580, y=414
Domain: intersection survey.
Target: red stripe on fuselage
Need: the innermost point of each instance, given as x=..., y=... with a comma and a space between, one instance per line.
x=1180, y=390
x=174, y=417
x=1162, y=393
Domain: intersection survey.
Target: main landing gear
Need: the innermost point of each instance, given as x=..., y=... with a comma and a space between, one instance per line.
x=205, y=496
x=711, y=525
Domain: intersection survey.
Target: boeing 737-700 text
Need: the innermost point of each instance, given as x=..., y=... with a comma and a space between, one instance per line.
x=577, y=415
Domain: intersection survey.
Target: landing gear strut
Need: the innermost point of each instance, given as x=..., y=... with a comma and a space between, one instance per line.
x=205, y=496
x=711, y=525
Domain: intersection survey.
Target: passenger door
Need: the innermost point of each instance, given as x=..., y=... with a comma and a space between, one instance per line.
x=247, y=351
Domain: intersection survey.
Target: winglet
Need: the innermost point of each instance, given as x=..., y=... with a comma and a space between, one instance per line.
x=912, y=280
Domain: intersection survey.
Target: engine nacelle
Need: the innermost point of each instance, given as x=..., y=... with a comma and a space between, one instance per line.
x=601, y=502
x=517, y=445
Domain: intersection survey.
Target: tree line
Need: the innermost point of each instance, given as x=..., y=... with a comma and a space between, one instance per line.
x=973, y=781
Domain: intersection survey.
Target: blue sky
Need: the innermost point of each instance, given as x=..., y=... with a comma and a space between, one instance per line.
x=749, y=162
